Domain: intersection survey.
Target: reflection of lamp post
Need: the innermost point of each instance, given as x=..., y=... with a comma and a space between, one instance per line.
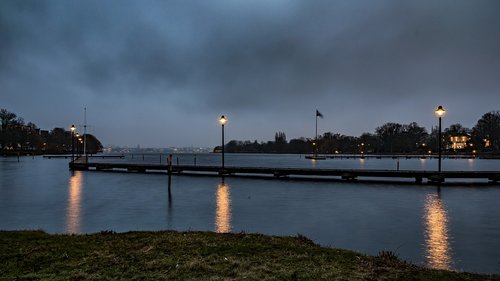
x=223, y=209
x=222, y=121
x=437, y=233
x=73, y=142
x=439, y=113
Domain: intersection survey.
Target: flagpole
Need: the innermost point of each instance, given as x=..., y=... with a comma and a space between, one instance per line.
x=316, y=138
x=85, y=133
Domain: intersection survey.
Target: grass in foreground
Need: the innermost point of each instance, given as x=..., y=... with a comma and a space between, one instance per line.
x=34, y=255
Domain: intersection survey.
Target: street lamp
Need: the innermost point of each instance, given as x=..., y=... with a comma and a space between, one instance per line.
x=73, y=142
x=81, y=145
x=439, y=113
x=78, y=138
x=222, y=121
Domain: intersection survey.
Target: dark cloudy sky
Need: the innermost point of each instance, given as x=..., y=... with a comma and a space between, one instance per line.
x=160, y=73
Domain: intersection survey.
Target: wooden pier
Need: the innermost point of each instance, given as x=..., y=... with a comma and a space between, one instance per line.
x=344, y=174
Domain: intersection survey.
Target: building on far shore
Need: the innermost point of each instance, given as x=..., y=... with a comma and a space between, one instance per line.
x=460, y=142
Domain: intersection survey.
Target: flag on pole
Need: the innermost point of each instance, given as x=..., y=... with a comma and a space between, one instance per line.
x=319, y=114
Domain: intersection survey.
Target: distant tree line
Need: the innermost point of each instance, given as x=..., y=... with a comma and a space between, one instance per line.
x=390, y=138
x=16, y=136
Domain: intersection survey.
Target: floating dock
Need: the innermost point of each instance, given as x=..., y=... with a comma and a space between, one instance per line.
x=343, y=174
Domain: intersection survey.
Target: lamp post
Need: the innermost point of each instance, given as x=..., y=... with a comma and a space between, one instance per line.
x=81, y=145
x=222, y=121
x=439, y=113
x=77, y=144
x=73, y=142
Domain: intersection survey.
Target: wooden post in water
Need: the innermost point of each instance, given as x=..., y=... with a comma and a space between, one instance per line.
x=169, y=171
x=17, y=156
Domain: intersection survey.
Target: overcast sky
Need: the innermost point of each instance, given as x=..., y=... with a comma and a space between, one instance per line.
x=160, y=73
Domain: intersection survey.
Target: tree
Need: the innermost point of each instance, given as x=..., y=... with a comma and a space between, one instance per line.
x=399, y=138
x=369, y=143
x=93, y=144
x=59, y=141
x=387, y=135
x=487, y=131
x=412, y=136
x=16, y=135
x=280, y=141
x=299, y=145
x=457, y=130
x=327, y=143
x=347, y=144
x=388, y=138
x=8, y=119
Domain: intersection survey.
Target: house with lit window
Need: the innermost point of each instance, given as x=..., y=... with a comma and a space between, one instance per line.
x=486, y=142
x=460, y=142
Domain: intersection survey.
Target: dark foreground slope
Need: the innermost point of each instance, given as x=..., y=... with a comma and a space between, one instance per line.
x=34, y=255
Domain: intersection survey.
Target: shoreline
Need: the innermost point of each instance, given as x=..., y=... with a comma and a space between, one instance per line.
x=486, y=156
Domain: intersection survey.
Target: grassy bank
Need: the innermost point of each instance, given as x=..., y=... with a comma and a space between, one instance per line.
x=33, y=255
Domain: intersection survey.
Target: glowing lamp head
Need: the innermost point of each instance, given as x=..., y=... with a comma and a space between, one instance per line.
x=440, y=112
x=73, y=128
x=223, y=120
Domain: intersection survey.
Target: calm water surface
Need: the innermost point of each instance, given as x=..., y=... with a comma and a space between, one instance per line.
x=455, y=227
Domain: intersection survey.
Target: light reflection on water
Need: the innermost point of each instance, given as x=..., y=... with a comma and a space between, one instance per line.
x=423, y=163
x=437, y=238
x=471, y=163
x=223, y=209
x=73, y=215
x=362, y=163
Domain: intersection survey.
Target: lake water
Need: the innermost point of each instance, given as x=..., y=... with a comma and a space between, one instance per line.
x=454, y=227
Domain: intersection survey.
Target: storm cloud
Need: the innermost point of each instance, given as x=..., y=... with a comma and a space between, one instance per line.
x=159, y=73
